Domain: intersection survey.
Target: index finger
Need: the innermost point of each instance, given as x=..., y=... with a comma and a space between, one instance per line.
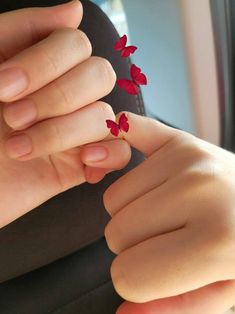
x=22, y=28
x=146, y=134
x=37, y=66
x=41, y=63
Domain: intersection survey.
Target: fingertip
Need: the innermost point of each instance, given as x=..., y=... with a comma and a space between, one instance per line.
x=69, y=14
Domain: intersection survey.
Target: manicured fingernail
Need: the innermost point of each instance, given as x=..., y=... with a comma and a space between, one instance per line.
x=12, y=82
x=18, y=145
x=19, y=113
x=95, y=153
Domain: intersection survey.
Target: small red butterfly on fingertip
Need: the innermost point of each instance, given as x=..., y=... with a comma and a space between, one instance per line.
x=132, y=86
x=122, y=125
x=121, y=46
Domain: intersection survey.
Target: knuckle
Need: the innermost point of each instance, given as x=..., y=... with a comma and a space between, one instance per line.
x=65, y=101
x=122, y=281
x=196, y=161
x=220, y=232
x=197, y=147
x=55, y=136
x=117, y=274
x=104, y=71
x=75, y=39
x=51, y=63
x=81, y=41
x=35, y=33
x=190, y=149
x=105, y=110
x=194, y=177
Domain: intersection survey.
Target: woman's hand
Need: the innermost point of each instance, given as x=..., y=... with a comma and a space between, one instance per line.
x=50, y=111
x=173, y=224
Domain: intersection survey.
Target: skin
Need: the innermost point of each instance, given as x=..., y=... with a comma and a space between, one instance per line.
x=64, y=86
x=172, y=224
x=177, y=258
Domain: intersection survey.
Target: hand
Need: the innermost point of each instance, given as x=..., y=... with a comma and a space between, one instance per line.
x=173, y=224
x=62, y=85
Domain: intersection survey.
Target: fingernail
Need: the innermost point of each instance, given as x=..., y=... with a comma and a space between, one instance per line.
x=12, y=82
x=20, y=113
x=95, y=153
x=18, y=145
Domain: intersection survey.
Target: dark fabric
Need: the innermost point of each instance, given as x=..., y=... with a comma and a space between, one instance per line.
x=9, y=5
x=77, y=284
x=75, y=218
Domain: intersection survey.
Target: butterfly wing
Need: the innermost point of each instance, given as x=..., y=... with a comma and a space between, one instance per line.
x=113, y=126
x=121, y=43
x=135, y=71
x=138, y=77
x=123, y=123
x=129, y=86
x=127, y=51
x=141, y=79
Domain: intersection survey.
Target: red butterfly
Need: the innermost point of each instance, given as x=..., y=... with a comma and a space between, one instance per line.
x=121, y=46
x=131, y=86
x=121, y=126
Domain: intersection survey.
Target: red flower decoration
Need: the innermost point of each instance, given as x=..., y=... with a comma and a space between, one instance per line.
x=121, y=46
x=121, y=126
x=131, y=86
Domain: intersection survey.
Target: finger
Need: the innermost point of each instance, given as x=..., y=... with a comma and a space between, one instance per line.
x=128, y=189
x=84, y=84
x=215, y=298
x=22, y=28
x=113, y=154
x=154, y=140
x=167, y=208
x=146, y=134
x=102, y=156
x=42, y=63
x=61, y=133
x=94, y=175
x=160, y=217
x=165, y=266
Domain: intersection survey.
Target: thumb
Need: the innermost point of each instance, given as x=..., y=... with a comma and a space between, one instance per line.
x=215, y=298
x=146, y=134
x=22, y=28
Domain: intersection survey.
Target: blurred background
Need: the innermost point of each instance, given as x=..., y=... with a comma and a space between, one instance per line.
x=186, y=49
